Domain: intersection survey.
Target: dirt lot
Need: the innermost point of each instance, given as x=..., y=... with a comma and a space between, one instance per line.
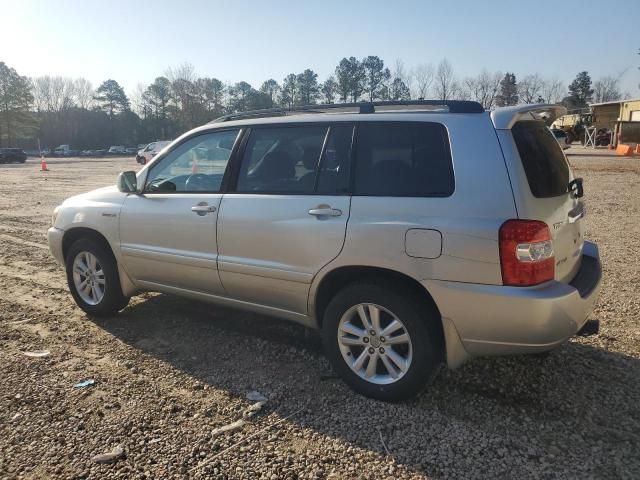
x=169, y=371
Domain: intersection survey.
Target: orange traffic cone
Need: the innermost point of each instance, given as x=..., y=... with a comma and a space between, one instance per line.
x=194, y=166
x=43, y=165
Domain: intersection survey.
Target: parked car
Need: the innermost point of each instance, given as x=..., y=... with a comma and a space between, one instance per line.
x=151, y=150
x=65, y=151
x=562, y=138
x=117, y=150
x=410, y=236
x=12, y=155
x=130, y=150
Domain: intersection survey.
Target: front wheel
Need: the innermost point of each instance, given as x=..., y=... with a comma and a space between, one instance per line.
x=380, y=341
x=92, y=276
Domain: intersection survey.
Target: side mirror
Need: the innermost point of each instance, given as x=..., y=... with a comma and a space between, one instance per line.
x=127, y=182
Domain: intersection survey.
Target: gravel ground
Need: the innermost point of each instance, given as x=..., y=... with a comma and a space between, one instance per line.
x=169, y=371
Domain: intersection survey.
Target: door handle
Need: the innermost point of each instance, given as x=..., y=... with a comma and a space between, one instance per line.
x=202, y=209
x=325, y=211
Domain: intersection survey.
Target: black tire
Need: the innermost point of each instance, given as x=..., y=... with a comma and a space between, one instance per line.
x=419, y=320
x=113, y=300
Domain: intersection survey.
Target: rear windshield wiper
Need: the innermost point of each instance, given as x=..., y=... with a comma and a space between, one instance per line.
x=575, y=188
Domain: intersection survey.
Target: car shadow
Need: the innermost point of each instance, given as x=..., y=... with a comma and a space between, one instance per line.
x=498, y=416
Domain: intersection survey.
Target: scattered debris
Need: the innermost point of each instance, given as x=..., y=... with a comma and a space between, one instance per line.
x=20, y=322
x=249, y=412
x=110, y=457
x=255, y=396
x=252, y=409
x=37, y=353
x=85, y=383
x=382, y=440
x=259, y=432
x=16, y=417
x=228, y=427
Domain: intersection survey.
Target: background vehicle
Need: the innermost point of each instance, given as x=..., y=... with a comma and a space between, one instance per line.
x=561, y=137
x=116, y=150
x=12, y=155
x=151, y=150
x=65, y=151
x=574, y=124
x=363, y=225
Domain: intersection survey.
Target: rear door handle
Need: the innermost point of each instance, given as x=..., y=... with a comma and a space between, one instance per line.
x=202, y=209
x=323, y=211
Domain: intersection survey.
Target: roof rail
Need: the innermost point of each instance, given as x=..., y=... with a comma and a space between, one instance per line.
x=452, y=106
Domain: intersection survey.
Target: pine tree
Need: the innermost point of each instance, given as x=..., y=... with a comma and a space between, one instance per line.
x=111, y=98
x=308, y=89
x=15, y=100
x=580, y=91
x=376, y=76
x=508, y=91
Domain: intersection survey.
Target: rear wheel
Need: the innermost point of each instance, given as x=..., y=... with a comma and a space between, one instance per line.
x=381, y=341
x=92, y=276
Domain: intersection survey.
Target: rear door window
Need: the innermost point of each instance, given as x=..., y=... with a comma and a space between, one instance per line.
x=544, y=164
x=408, y=159
x=333, y=178
x=281, y=160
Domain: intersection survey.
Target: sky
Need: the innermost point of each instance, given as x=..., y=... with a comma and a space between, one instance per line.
x=135, y=41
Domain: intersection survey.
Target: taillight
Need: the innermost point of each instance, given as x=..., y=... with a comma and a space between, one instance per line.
x=526, y=253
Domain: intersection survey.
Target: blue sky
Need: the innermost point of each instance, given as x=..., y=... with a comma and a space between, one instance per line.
x=135, y=41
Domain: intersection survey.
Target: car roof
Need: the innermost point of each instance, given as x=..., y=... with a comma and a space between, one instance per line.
x=434, y=116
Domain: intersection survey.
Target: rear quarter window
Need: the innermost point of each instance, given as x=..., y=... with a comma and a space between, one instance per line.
x=403, y=159
x=544, y=164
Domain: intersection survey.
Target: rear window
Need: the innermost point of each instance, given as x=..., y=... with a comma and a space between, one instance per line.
x=542, y=158
x=403, y=160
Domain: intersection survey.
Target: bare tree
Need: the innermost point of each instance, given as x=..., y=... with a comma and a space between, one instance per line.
x=83, y=93
x=530, y=89
x=399, y=71
x=139, y=102
x=182, y=79
x=483, y=88
x=606, y=89
x=41, y=93
x=184, y=71
x=552, y=90
x=445, y=82
x=53, y=94
x=423, y=75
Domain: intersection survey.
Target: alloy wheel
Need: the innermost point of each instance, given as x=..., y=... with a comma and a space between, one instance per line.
x=88, y=278
x=375, y=343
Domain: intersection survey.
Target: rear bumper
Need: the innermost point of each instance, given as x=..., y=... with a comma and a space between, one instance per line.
x=499, y=320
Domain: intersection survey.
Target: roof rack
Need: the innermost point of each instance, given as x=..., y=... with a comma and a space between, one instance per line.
x=452, y=106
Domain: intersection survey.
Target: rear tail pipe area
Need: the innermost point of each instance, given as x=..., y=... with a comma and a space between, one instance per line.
x=591, y=327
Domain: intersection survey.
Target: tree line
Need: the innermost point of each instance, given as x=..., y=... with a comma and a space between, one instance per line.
x=59, y=110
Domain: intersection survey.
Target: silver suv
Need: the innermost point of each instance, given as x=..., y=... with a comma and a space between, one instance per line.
x=411, y=234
